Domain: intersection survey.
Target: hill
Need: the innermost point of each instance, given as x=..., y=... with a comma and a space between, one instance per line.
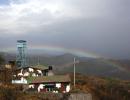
x=98, y=67
x=84, y=65
x=103, y=88
x=100, y=88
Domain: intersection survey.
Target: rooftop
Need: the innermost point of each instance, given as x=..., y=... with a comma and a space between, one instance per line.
x=50, y=79
x=40, y=67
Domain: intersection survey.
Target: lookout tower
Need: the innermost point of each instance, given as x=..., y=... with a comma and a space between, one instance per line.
x=21, y=53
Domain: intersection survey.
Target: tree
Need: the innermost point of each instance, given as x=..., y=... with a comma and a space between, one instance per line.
x=1, y=59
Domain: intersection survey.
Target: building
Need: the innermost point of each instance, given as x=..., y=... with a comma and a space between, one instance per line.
x=21, y=74
x=55, y=84
x=39, y=78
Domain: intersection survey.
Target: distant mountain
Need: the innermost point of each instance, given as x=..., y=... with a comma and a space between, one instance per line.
x=8, y=56
x=92, y=66
x=85, y=65
x=98, y=67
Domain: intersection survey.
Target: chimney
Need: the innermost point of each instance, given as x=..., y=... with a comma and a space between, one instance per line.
x=50, y=68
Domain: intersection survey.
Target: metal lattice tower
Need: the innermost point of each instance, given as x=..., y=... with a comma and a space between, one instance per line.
x=21, y=53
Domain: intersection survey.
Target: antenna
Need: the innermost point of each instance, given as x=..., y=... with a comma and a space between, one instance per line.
x=38, y=61
x=74, y=72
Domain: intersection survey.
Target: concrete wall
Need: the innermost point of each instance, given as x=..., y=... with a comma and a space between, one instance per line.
x=80, y=96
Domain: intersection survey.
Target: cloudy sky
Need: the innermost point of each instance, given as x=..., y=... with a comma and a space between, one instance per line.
x=98, y=26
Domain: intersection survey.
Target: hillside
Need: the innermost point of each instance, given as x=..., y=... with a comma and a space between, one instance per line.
x=100, y=88
x=84, y=65
x=98, y=67
x=103, y=88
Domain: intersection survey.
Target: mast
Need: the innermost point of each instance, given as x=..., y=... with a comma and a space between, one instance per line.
x=74, y=72
x=38, y=61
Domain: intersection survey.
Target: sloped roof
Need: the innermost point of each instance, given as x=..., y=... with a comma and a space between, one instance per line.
x=50, y=79
x=41, y=67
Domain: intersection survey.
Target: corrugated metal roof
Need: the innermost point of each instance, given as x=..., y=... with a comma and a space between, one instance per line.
x=50, y=79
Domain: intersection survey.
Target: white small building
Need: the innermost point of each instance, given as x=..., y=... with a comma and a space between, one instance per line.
x=21, y=74
x=55, y=84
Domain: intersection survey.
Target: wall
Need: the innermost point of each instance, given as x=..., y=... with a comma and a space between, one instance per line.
x=80, y=96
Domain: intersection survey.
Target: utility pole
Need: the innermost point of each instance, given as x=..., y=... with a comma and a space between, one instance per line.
x=74, y=72
x=38, y=61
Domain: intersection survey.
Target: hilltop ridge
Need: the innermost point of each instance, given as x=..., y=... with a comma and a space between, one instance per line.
x=84, y=65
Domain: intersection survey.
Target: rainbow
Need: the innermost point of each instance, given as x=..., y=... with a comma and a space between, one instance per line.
x=50, y=48
x=77, y=52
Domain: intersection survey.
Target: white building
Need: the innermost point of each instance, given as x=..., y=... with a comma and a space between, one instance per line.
x=21, y=75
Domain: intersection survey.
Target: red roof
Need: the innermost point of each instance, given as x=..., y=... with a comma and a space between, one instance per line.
x=50, y=79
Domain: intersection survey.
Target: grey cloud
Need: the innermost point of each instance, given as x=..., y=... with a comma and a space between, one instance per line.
x=103, y=28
